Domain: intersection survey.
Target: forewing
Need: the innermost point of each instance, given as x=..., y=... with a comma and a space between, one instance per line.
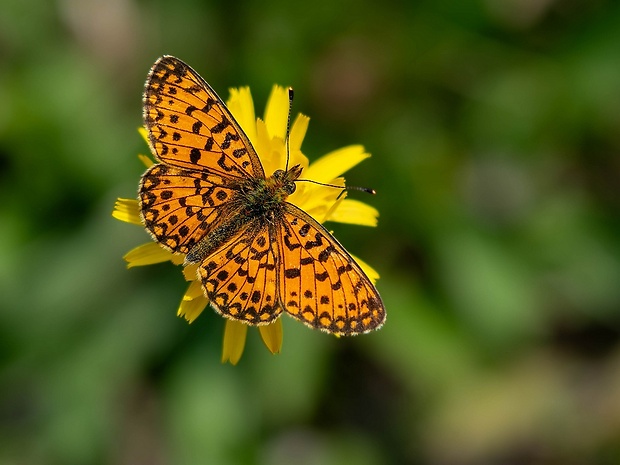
x=240, y=278
x=190, y=127
x=179, y=207
x=320, y=283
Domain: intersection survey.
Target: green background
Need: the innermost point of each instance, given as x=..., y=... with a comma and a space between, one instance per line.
x=495, y=132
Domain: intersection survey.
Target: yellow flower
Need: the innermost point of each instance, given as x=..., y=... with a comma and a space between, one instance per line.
x=321, y=202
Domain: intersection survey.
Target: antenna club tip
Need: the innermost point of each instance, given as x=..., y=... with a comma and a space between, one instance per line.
x=368, y=190
x=291, y=93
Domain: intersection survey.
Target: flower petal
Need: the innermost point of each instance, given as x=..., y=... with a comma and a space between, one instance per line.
x=316, y=200
x=193, y=302
x=296, y=158
x=241, y=105
x=320, y=208
x=190, y=271
x=146, y=160
x=276, y=112
x=354, y=212
x=234, y=341
x=272, y=336
x=127, y=210
x=369, y=270
x=335, y=163
x=193, y=291
x=147, y=254
x=144, y=133
x=271, y=151
x=298, y=132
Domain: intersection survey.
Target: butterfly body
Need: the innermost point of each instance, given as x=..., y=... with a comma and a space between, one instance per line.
x=262, y=197
x=255, y=204
x=208, y=197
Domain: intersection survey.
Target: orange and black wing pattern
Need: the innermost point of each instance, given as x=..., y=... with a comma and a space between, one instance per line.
x=180, y=207
x=320, y=284
x=208, y=198
x=190, y=127
x=240, y=278
x=204, y=157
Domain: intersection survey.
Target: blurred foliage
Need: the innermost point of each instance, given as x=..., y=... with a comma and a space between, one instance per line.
x=495, y=132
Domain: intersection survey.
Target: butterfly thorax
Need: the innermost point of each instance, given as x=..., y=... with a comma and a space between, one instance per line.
x=258, y=201
x=267, y=194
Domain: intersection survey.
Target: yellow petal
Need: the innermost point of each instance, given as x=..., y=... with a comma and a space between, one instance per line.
x=270, y=150
x=298, y=132
x=191, y=308
x=193, y=291
x=296, y=137
x=317, y=200
x=335, y=163
x=127, y=210
x=272, y=336
x=297, y=157
x=369, y=270
x=276, y=112
x=241, y=106
x=144, y=133
x=148, y=162
x=147, y=254
x=321, y=208
x=234, y=341
x=189, y=272
x=354, y=212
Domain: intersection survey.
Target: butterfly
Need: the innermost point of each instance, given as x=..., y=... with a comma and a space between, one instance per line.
x=210, y=199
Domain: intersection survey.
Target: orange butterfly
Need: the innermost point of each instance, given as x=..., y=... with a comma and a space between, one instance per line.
x=209, y=198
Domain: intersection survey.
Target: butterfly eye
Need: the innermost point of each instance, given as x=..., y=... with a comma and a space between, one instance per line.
x=289, y=187
x=278, y=174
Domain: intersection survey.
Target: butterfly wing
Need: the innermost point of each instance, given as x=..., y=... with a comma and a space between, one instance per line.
x=240, y=278
x=179, y=207
x=260, y=267
x=320, y=284
x=190, y=127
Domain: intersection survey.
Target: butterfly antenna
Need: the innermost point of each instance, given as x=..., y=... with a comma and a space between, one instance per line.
x=368, y=190
x=287, y=141
x=343, y=189
x=288, y=153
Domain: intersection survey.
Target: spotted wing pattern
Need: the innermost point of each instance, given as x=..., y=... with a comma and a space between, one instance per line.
x=199, y=201
x=190, y=127
x=320, y=283
x=179, y=207
x=240, y=279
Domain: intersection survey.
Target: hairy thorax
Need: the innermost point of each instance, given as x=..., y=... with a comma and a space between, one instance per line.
x=256, y=202
x=261, y=197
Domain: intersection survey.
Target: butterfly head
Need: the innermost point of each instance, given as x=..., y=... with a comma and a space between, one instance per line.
x=285, y=180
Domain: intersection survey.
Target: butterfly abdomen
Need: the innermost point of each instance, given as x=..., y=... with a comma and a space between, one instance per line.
x=214, y=241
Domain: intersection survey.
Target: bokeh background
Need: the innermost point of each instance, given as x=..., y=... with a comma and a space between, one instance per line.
x=495, y=132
